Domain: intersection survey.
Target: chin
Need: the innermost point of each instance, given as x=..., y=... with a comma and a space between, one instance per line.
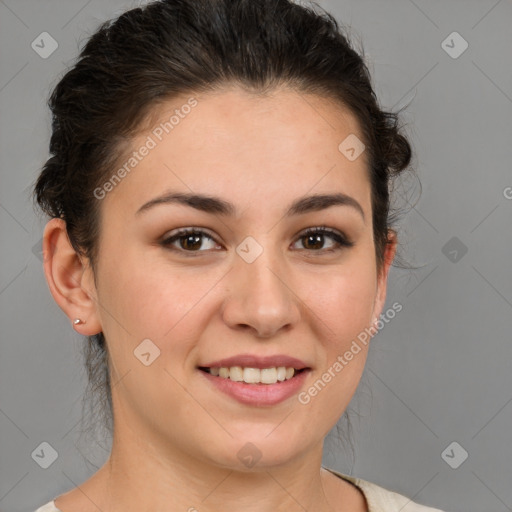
x=258, y=450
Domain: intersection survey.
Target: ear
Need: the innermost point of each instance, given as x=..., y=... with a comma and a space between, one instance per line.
x=71, y=282
x=382, y=278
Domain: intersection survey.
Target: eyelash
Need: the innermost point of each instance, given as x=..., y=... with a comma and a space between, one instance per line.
x=341, y=241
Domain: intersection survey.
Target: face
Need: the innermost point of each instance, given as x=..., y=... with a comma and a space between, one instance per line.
x=249, y=280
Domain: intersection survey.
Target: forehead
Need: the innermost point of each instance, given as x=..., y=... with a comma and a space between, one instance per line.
x=245, y=146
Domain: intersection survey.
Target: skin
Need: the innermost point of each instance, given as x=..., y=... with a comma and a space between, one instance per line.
x=176, y=437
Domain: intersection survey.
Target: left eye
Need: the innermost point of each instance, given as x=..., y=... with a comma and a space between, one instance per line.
x=191, y=239
x=315, y=235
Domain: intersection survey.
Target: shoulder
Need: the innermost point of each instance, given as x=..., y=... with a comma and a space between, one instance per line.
x=48, y=507
x=379, y=499
x=384, y=500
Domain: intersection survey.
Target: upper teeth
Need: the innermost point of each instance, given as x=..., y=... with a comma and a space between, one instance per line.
x=254, y=375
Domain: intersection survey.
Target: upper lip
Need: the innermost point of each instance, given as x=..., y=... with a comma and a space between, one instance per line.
x=253, y=361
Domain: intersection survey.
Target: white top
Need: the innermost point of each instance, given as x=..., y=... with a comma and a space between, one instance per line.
x=378, y=498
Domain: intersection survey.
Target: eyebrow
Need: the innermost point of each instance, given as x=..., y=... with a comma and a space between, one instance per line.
x=217, y=206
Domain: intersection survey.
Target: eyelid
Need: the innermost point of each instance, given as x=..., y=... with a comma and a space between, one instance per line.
x=189, y=229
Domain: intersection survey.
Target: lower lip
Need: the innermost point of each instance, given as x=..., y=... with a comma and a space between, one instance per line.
x=258, y=394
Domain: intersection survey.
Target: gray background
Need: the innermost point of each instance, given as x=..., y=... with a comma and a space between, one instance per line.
x=440, y=372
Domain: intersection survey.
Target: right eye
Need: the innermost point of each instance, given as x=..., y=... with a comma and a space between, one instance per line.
x=190, y=240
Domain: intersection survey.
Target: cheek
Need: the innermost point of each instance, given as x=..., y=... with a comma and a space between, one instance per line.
x=157, y=300
x=343, y=308
x=343, y=300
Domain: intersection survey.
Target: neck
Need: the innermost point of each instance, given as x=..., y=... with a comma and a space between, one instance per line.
x=140, y=475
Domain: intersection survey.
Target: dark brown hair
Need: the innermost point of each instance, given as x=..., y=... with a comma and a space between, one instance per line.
x=169, y=47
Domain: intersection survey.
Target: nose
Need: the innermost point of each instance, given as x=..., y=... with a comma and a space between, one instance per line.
x=261, y=298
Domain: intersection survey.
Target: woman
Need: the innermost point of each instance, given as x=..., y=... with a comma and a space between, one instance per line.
x=218, y=188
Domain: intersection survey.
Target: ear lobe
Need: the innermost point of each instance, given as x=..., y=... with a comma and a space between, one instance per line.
x=65, y=274
x=382, y=278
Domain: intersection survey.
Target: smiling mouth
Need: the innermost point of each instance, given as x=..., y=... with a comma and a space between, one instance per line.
x=247, y=375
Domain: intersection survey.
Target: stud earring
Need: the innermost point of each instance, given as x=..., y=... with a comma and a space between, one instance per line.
x=77, y=321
